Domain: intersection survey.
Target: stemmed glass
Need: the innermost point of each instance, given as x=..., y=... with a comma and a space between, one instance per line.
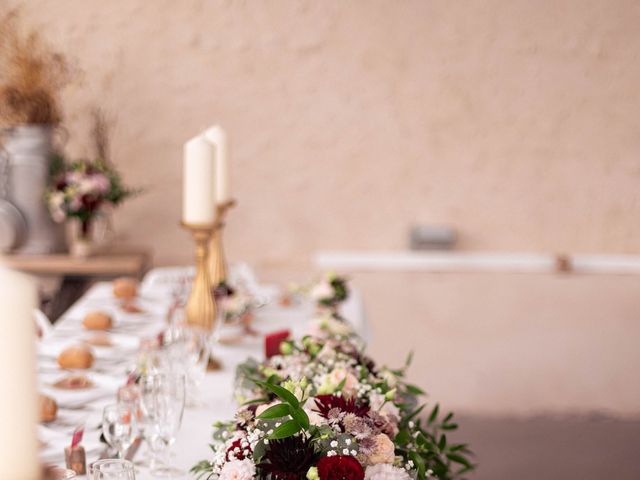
x=119, y=426
x=187, y=351
x=162, y=403
x=112, y=469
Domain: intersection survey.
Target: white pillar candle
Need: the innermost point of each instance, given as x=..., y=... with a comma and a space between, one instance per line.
x=18, y=401
x=218, y=137
x=198, y=191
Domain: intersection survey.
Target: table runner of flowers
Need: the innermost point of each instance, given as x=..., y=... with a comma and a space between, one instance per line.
x=323, y=410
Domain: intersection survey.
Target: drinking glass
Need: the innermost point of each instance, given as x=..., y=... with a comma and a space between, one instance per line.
x=112, y=469
x=119, y=426
x=187, y=351
x=163, y=405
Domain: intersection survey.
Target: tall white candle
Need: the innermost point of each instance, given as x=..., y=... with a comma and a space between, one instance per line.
x=218, y=137
x=18, y=401
x=198, y=190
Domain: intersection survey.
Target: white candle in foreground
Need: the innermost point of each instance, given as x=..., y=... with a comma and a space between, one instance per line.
x=18, y=400
x=218, y=137
x=198, y=193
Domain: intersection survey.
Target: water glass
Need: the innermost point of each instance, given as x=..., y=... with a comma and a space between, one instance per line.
x=112, y=469
x=119, y=426
x=162, y=403
x=187, y=351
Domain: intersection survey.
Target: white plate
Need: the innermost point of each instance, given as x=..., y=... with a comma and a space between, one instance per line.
x=103, y=386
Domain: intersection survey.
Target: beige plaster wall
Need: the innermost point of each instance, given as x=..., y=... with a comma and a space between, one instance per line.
x=512, y=343
x=515, y=121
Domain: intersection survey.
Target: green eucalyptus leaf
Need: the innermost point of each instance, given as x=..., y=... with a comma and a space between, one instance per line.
x=300, y=416
x=454, y=457
x=442, y=444
x=449, y=426
x=434, y=413
x=285, y=430
x=275, y=411
x=413, y=414
x=413, y=389
x=402, y=437
x=409, y=359
x=281, y=392
x=419, y=463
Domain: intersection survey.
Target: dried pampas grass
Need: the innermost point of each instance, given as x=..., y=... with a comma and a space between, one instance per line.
x=31, y=76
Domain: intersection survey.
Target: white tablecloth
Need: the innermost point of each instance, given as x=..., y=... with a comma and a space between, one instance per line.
x=216, y=395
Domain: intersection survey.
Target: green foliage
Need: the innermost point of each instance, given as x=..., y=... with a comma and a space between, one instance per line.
x=290, y=407
x=428, y=447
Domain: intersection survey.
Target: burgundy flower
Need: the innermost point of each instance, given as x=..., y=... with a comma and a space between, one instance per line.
x=340, y=467
x=326, y=403
x=288, y=459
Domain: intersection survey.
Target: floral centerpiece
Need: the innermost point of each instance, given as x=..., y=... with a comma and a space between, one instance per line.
x=82, y=190
x=330, y=291
x=323, y=410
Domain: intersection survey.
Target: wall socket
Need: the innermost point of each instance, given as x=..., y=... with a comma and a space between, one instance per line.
x=432, y=237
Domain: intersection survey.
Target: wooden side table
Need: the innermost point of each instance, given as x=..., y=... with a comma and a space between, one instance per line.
x=77, y=273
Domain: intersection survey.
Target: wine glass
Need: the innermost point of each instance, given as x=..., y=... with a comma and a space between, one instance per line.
x=112, y=469
x=188, y=352
x=119, y=426
x=163, y=404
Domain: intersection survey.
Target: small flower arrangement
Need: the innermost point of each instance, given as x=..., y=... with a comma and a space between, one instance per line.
x=330, y=291
x=82, y=189
x=323, y=410
x=237, y=306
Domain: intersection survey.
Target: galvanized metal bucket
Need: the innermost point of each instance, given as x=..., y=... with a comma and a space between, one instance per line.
x=29, y=149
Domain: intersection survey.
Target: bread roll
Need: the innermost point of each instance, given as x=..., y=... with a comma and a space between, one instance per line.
x=97, y=321
x=78, y=356
x=48, y=409
x=125, y=287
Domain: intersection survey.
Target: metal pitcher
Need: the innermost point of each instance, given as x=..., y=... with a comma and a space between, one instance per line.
x=28, y=150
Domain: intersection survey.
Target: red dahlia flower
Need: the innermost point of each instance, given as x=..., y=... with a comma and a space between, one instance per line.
x=340, y=467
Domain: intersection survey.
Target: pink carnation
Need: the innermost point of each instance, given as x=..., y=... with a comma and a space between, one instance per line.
x=238, y=470
x=384, y=471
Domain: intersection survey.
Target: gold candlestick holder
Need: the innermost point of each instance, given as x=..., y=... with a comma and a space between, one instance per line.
x=217, y=260
x=201, y=311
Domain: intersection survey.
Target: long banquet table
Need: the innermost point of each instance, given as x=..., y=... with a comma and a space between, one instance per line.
x=109, y=371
